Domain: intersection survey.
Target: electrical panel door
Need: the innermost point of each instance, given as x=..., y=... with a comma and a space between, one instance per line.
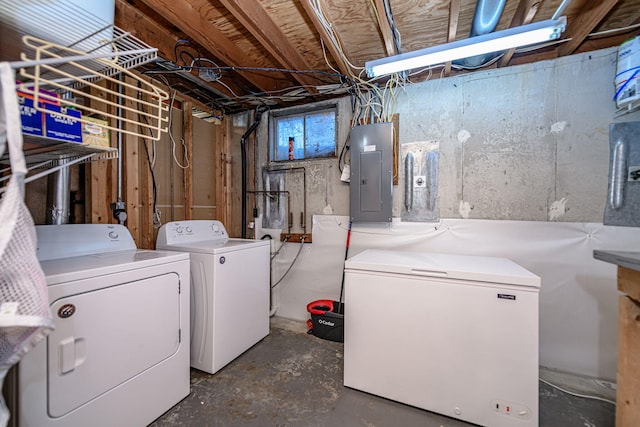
x=371, y=172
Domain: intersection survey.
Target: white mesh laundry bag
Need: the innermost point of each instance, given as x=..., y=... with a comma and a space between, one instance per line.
x=25, y=317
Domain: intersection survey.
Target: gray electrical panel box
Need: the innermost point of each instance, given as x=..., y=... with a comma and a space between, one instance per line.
x=371, y=184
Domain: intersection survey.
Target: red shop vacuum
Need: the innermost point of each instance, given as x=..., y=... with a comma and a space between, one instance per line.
x=327, y=316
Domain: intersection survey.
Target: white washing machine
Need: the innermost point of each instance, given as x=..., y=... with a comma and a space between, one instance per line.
x=117, y=356
x=230, y=280
x=452, y=334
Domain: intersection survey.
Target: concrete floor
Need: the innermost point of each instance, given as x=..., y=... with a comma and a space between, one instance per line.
x=294, y=379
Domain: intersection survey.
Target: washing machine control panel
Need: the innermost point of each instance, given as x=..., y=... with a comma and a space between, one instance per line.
x=194, y=230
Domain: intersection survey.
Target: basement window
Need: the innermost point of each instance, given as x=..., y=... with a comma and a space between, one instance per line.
x=303, y=134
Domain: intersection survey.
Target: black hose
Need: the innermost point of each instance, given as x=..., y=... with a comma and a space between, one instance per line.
x=243, y=144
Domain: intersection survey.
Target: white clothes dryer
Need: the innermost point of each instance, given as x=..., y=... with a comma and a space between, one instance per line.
x=117, y=356
x=230, y=281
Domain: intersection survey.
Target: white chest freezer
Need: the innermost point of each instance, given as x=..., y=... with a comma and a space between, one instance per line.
x=452, y=334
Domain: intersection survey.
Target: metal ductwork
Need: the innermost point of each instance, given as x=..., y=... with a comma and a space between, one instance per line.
x=58, y=196
x=485, y=20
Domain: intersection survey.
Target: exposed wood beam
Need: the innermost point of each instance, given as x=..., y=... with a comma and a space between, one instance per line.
x=187, y=176
x=99, y=196
x=147, y=240
x=326, y=38
x=591, y=15
x=255, y=19
x=131, y=163
x=385, y=28
x=194, y=24
x=454, y=15
x=602, y=43
x=538, y=55
x=148, y=30
x=221, y=157
x=525, y=12
x=184, y=98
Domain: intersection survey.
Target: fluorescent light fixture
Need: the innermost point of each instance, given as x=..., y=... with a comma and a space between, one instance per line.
x=486, y=43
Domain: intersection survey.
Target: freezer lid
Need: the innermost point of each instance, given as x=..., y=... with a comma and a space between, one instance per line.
x=216, y=247
x=447, y=266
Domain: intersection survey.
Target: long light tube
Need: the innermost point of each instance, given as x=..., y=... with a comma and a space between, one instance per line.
x=486, y=43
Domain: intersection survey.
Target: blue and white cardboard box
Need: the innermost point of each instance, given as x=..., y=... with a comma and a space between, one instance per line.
x=65, y=126
x=32, y=122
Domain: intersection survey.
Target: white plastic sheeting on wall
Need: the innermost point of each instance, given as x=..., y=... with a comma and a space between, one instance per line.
x=578, y=297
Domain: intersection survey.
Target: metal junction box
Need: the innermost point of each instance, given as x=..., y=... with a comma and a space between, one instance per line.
x=371, y=172
x=623, y=201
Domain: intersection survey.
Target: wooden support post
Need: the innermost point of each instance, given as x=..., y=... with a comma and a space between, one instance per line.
x=187, y=174
x=99, y=190
x=97, y=193
x=628, y=378
x=131, y=172
x=220, y=163
x=147, y=234
x=146, y=193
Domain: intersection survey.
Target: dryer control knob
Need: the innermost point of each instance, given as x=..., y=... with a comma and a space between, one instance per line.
x=179, y=229
x=113, y=235
x=189, y=230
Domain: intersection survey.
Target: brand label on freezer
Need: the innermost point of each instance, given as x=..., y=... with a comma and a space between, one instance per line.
x=507, y=296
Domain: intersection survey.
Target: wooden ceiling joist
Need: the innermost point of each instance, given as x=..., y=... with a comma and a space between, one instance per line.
x=385, y=28
x=454, y=15
x=255, y=19
x=524, y=14
x=583, y=25
x=142, y=26
x=193, y=23
x=324, y=35
x=266, y=48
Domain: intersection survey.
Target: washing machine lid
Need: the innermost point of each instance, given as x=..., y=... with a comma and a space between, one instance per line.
x=64, y=270
x=446, y=266
x=216, y=247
